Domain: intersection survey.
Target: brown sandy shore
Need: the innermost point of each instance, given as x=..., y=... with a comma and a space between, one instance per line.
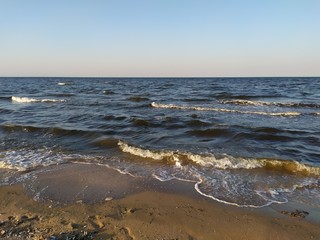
x=95, y=202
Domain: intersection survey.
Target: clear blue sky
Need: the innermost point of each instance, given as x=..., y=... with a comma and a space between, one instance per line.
x=159, y=38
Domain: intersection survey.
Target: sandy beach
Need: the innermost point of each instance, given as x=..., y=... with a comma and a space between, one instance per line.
x=80, y=201
x=162, y=120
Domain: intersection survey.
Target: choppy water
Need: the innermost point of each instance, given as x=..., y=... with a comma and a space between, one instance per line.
x=246, y=141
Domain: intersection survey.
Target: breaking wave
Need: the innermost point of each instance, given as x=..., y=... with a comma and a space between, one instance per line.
x=30, y=100
x=242, y=182
x=26, y=159
x=172, y=106
x=222, y=162
x=263, y=103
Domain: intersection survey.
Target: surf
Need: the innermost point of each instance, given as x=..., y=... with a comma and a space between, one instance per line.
x=32, y=100
x=223, y=110
x=222, y=162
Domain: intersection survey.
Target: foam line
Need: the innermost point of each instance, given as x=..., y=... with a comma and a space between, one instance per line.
x=172, y=106
x=31, y=100
x=224, y=162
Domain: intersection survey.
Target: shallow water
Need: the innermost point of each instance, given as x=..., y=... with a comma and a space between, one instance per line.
x=242, y=141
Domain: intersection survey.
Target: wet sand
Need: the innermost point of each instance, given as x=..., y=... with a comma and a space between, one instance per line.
x=79, y=201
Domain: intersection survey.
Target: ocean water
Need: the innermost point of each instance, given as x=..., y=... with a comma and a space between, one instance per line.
x=249, y=142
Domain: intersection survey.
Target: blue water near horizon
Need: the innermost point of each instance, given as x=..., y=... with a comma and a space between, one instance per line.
x=242, y=141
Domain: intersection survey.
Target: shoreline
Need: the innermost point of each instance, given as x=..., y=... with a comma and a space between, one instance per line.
x=96, y=202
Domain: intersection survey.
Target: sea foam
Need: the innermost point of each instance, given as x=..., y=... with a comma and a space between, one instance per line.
x=223, y=162
x=30, y=100
x=24, y=159
x=173, y=106
x=263, y=103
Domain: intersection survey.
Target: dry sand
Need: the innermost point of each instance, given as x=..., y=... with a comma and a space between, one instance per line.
x=73, y=201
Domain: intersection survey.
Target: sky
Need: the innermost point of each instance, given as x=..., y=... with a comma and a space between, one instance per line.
x=159, y=38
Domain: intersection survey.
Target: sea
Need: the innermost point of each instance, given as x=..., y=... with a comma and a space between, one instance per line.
x=248, y=142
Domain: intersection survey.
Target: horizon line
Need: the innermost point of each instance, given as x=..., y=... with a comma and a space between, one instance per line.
x=119, y=77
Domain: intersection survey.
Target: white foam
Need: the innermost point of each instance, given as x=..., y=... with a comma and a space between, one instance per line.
x=227, y=162
x=22, y=160
x=237, y=188
x=143, y=152
x=123, y=172
x=7, y=165
x=263, y=103
x=172, y=106
x=30, y=100
x=290, y=166
x=224, y=162
x=255, y=103
x=196, y=187
x=276, y=193
x=61, y=83
x=23, y=99
x=209, y=160
x=163, y=178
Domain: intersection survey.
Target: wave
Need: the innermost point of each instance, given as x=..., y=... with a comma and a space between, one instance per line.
x=273, y=131
x=26, y=159
x=108, y=92
x=61, y=94
x=226, y=95
x=47, y=130
x=5, y=98
x=116, y=118
x=262, y=137
x=224, y=162
x=211, y=132
x=106, y=142
x=138, y=99
x=240, y=133
x=64, y=83
x=140, y=122
x=4, y=111
x=233, y=188
x=263, y=103
x=198, y=123
x=256, y=196
x=172, y=106
x=14, y=128
x=196, y=100
x=30, y=100
x=233, y=203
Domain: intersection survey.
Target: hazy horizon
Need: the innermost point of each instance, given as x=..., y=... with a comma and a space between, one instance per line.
x=160, y=38
x=160, y=77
